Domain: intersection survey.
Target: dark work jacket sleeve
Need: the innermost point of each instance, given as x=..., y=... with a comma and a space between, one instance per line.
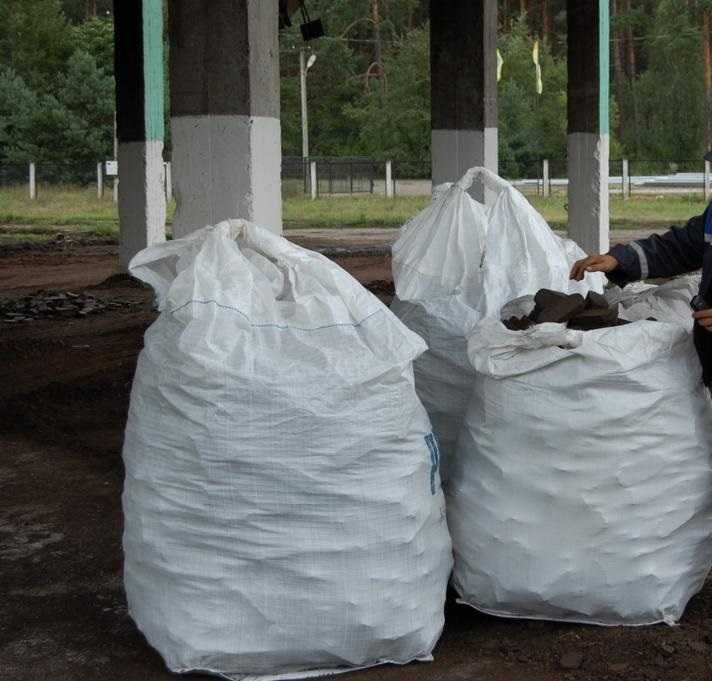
x=678, y=251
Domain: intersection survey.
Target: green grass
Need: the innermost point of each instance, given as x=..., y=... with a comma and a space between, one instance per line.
x=647, y=211
x=59, y=207
x=355, y=211
x=79, y=211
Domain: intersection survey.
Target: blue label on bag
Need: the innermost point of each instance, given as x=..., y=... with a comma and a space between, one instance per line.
x=434, y=450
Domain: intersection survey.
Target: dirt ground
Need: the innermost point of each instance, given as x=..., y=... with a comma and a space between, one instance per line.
x=64, y=389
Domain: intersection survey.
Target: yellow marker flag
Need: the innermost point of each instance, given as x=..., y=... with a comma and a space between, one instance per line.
x=535, y=59
x=500, y=62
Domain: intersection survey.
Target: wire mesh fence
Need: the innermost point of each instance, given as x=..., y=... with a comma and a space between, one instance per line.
x=66, y=173
x=368, y=176
x=682, y=176
x=295, y=176
x=41, y=177
x=540, y=177
x=14, y=175
x=333, y=176
x=625, y=177
x=348, y=176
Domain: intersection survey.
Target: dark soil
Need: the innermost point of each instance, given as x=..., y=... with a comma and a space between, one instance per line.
x=64, y=390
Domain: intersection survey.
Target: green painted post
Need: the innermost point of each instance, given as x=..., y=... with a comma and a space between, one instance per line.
x=153, y=81
x=604, y=66
x=138, y=69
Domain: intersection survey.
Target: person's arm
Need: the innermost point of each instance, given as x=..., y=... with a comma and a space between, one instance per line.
x=678, y=251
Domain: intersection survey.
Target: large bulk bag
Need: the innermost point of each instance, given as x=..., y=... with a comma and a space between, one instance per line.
x=283, y=511
x=437, y=272
x=582, y=486
x=456, y=262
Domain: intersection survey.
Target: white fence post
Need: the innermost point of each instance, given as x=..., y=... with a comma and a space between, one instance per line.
x=33, y=183
x=168, y=178
x=707, y=180
x=313, y=180
x=625, y=180
x=389, y=179
x=545, y=177
x=99, y=181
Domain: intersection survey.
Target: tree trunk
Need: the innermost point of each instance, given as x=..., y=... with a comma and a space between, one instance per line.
x=91, y=9
x=523, y=6
x=630, y=45
x=631, y=69
x=546, y=20
x=377, y=47
x=706, y=38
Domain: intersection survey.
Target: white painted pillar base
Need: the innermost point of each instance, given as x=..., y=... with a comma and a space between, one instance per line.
x=226, y=166
x=169, y=180
x=389, y=179
x=625, y=179
x=32, y=182
x=313, y=181
x=545, y=181
x=142, y=202
x=453, y=152
x=99, y=180
x=588, y=191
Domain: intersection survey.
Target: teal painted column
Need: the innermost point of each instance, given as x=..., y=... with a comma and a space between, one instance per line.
x=604, y=66
x=588, y=122
x=138, y=66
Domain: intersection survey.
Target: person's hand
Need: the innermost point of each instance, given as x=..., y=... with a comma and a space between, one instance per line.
x=593, y=263
x=704, y=319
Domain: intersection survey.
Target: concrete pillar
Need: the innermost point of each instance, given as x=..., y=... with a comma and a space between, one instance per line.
x=99, y=180
x=546, y=182
x=625, y=179
x=138, y=66
x=389, y=179
x=463, y=66
x=313, y=180
x=588, y=122
x=32, y=181
x=224, y=75
x=167, y=171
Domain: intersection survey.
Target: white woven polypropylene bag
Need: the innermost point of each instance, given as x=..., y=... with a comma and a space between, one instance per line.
x=283, y=510
x=582, y=486
x=669, y=302
x=456, y=262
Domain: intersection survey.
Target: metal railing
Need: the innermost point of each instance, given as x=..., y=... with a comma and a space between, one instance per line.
x=328, y=176
x=333, y=175
x=34, y=178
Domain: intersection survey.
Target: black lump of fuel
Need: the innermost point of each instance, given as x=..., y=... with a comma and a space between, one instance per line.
x=577, y=312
